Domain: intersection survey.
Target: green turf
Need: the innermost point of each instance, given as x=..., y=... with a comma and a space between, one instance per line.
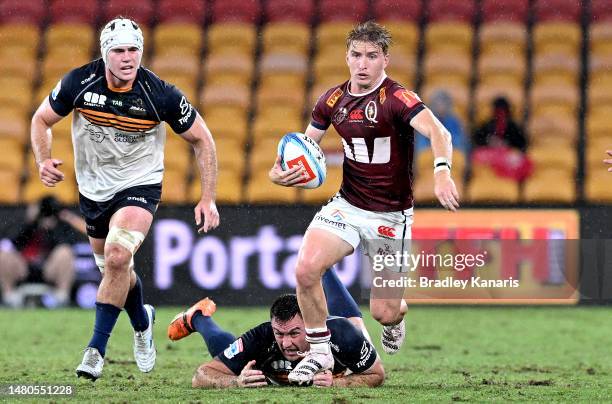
x=452, y=354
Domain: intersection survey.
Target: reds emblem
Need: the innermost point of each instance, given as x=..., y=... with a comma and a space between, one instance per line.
x=385, y=231
x=371, y=112
x=333, y=98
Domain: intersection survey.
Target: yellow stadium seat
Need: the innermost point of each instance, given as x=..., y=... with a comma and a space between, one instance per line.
x=405, y=38
x=177, y=154
x=66, y=191
x=402, y=68
x=598, y=124
x=545, y=129
x=184, y=37
x=223, y=125
x=445, y=67
x=274, y=63
x=561, y=158
x=550, y=185
x=231, y=38
x=564, y=37
x=283, y=81
x=16, y=92
x=16, y=66
x=234, y=65
x=9, y=191
x=12, y=155
x=230, y=154
x=321, y=87
x=503, y=38
x=490, y=188
x=600, y=36
x=58, y=64
x=556, y=68
x=330, y=186
x=599, y=98
x=225, y=95
x=597, y=188
x=17, y=35
x=174, y=187
x=15, y=123
x=556, y=100
x=423, y=188
x=71, y=35
x=263, y=153
x=485, y=94
x=176, y=64
x=261, y=190
x=229, y=187
x=286, y=37
x=274, y=128
x=276, y=96
x=449, y=37
x=460, y=95
x=332, y=35
x=494, y=69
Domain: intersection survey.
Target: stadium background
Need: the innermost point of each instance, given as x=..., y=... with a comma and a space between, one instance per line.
x=255, y=68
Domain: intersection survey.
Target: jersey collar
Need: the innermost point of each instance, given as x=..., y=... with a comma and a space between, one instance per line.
x=374, y=88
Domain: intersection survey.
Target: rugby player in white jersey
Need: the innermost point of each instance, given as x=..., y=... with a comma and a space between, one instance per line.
x=118, y=135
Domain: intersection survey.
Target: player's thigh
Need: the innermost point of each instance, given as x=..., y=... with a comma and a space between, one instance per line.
x=322, y=249
x=13, y=263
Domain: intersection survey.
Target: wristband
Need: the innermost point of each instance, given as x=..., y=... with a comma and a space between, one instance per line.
x=441, y=161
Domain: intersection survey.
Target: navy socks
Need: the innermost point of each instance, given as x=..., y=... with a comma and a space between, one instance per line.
x=106, y=317
x=134, y=307
x=216, y=339
x=339, y=301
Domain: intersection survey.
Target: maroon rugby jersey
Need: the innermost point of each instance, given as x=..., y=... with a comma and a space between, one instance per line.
x=378, y=142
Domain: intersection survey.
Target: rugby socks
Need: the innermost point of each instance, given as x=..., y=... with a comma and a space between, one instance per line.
x=106, y=317
x=134, y=306
x=339, y=301
x=318, y=338
x=215, y=337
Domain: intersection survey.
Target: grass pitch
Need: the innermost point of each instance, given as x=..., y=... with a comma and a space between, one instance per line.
x=452, y=354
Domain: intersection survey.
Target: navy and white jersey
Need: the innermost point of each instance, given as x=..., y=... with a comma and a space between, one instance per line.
x=350, y=348
x=118, y=135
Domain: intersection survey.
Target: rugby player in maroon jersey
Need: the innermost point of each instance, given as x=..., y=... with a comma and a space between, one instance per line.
x=376, y=118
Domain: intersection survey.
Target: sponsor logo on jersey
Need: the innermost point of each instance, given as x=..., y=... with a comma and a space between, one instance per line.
x=56, y=90
x=409, y=98
x=337, y=214
x=382, y=96
x=340, y=116
x=334, y=97
x=371, y=111
x=330, y=222
x=128, y=138
x=281, y=364
x=117, y=103
x=186, y=110
x=94, y=99
x=364, y=354
x=356, y=115
x=95, y=134
x=88, y=79
x=234, y=349
x=137, y=199
x=386, y=231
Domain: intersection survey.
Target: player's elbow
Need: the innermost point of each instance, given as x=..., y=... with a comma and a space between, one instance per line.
x=200, y=378
x=378, y=376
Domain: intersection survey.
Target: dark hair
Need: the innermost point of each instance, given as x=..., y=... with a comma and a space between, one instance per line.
x=49, y=206
x=501, y=102
x=370, y=31
x=284, y=308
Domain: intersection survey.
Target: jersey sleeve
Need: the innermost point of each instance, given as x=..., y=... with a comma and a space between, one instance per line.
x=176, y=110
x=247, y=347
x=64, y=93
x=354, y=350
x=322, y=111
x=405, y=104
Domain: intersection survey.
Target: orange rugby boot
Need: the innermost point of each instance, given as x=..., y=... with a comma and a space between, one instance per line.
x=180, y=326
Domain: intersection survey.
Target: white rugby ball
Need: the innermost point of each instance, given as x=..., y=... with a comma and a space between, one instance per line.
x=298, y=149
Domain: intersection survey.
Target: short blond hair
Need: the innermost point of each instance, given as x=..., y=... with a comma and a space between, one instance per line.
x=370, y=31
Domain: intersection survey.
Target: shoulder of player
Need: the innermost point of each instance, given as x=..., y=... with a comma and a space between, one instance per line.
x=85, y=74
x=333, y=94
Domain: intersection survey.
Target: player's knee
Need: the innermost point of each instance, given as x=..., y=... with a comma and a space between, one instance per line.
x=308, y=273
x=385, y=313
x=116, y=258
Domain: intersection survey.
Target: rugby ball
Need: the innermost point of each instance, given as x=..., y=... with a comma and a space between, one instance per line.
x=298, y=149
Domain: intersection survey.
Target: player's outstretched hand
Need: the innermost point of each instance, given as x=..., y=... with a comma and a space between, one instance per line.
x=609, y=161
x=323, y=379
x=49, y=173
x=446, y=191
x=288, y=178
x=210, y=213
x=250, y=377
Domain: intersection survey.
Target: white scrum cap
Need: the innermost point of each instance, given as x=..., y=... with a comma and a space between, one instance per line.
x=120, y=32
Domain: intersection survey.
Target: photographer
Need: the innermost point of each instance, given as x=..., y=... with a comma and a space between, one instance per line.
x=42, y=252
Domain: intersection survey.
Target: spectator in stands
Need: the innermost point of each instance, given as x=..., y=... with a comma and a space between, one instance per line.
x=500, y=130
x=41, y=251
x=609, y=161
x=441, y=104
x=501, y=144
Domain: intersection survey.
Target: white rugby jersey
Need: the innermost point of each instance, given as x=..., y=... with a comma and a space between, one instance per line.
x=118, y=136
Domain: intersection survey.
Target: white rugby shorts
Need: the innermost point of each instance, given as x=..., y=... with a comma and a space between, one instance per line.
x=379, y=233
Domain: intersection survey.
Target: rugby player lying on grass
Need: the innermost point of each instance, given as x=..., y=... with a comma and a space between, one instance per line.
x=266, y=354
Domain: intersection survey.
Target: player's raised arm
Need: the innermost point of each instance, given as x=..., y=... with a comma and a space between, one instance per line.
x=40, y=133
x=206, y=156
x=427, y=124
